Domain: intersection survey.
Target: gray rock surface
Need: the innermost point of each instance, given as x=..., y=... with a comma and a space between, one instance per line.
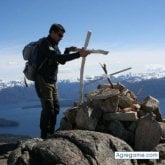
x=9, y=142
x=71, y=148
x=148, y=134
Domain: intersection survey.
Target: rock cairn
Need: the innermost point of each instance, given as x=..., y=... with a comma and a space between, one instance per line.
x=115, y=110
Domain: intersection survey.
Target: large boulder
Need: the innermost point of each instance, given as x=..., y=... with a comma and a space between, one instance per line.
x=129, y=116
x=151, y=104
x=148, y=134
x=71, y=147
x=117, y=129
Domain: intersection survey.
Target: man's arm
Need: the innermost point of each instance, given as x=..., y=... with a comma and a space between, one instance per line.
x=63, y=58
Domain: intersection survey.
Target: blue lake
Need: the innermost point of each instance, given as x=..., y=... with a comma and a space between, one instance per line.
x=28, y=118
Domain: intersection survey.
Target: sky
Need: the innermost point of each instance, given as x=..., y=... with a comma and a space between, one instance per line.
x=133, y=31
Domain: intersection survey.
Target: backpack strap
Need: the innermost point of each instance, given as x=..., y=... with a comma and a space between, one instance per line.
x=43, y=62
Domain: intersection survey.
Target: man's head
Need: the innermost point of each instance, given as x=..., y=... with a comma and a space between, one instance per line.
x=56, y=31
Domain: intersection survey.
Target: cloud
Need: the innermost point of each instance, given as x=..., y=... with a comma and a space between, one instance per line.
x=13, y=62
x=140, y=59
x=151, y=67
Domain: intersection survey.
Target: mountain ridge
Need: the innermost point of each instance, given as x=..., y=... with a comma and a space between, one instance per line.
x=130, y=77
x=16, y=91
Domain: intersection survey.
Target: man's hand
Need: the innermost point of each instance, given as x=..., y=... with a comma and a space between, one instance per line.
x=84, y=53
x=71, y=49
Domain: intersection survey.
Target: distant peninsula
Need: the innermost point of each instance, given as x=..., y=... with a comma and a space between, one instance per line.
x=8, y=123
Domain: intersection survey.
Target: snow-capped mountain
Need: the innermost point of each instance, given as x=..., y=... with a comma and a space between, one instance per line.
x=152, y=84
x=129, y=77
x=132, y=77
x=10, y=84
x=150, y=74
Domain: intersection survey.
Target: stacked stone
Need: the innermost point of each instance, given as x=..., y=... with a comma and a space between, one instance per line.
x=115, y=110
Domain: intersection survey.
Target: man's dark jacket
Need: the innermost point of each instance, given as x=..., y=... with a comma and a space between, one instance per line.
x=49, y=53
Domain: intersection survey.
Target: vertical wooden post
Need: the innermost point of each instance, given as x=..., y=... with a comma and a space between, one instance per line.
x=82, y=68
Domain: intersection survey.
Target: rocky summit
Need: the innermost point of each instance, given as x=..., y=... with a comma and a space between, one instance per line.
x=71, y=148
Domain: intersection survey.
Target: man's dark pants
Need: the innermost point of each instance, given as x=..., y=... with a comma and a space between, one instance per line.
x=47, y=92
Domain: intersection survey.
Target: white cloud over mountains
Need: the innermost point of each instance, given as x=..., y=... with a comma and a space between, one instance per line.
x=141, y=60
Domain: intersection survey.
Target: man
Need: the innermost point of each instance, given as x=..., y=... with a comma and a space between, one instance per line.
x=48, y=58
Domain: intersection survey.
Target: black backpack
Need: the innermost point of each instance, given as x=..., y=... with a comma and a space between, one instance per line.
x=30, y=52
